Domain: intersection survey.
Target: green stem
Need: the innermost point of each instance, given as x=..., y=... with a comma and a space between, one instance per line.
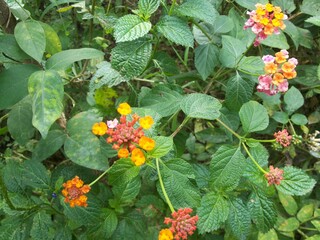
x=162, y=187
x=180, y=127
x=229, y=129
x=260, y=140
x=252, y=158
x=202, y=30
x=302, y=233
x=4, y=117
x=180, y=58
x=98, y=178
x=91, y=22
x=310, y=229
x=292, y=128
x=172, y=7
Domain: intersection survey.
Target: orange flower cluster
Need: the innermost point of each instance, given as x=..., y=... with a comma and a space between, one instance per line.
x=277, y=71
x=74, y=192
x=165, y=234
x=264, y=21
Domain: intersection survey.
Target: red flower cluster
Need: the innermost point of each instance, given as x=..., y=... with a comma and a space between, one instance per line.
x=182, y=223
x=283, y=137
x=274, y=176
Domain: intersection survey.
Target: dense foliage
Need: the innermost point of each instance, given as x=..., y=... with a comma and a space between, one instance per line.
x=155, y=119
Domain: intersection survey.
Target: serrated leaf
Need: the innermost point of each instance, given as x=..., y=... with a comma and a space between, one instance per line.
x=311, y=7
x=12, y=177
x=207, y=38
x=295, y=182
x=200, y=9
x=20, y=121
x=147, y=7
x=239, y=91
x=35, y=174
x=163, y=99
x=262, y=211
x=198, y=105
x=239, y=221
x=123, y=171
x=231, y=51
x=288, y=203
x=222, y=24
x=46, y=147
x=253, y=116
x=299, y=119
x=176, y=30
x=181, y=166
x=162, y=147
x=53, y=44
x=125, y=192
x=314, y=20
x=105, y=228
x=130, y=27
x=206, y=59
x=289, y=225
x=276, y=41
x=250, y=4
x=213, y=211
x=224, y=167
x=46, y=88
x=31, y=38
x=62, y=60
x=42, y=226
x=131, y=58
x=293, y=100
x=251, y=65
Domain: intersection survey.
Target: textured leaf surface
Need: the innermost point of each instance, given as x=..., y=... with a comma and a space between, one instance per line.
x=41, y=226
x=276, y=41
x=20, y=121
x=239, y=220
x=125, y=192
x=251, y=65
x=176, y=30
x=46, y=88
x=12, y=177
x=147, y=7
x=250, y=4
x=295, y=182
x=200, y=9
x=311, y=7
x=213, y=211
x=197, y=105
x=62, y=60
x=206, y=59
x=123, y=171
x=262, y=210
x=105, y=228
x=31, y=38
x=35, y=174
x=231, y=51
x=253, y=116
x=162, y=147
x=130, y=27
x=131, y=58
x=293, y=100
x=239, y=91
x=224, y=167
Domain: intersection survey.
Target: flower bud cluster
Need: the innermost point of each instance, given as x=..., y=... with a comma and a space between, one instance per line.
x=283, y=138
x=264, y=21
x=277, y=71
x=274, y=176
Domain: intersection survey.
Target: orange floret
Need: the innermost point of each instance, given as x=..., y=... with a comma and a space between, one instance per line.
x=146, y=122
x=280, y=57
x=271, y=67
x=165, y=234
x=146, y=143
x=124, y=109
x=99, y=128
x=123, y=153
x=290, y=75
x=137, y=157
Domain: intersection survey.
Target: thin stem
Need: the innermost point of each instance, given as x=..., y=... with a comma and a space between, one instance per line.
x=180, y=127
x=292, y=128
x=163, y=188
x=180, y=58
x=169, y=120
x=172, y=7
x=252, y=158
x=98, y=178
x=202, y=30
x=229, y=129
x=108, y=7
x=91, y=22
x=310, y=229
x=302, y=233
x=4, y=117
x=260, y=140
x=144, y=80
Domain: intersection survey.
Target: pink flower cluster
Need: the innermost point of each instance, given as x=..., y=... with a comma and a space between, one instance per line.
x=274, y=176
x=182, y=223
x=278, y=70
x=283, y=137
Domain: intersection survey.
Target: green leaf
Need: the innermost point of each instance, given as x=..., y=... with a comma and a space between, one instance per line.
x=314, y=20
x=239, y=221
x=299, y=119
x=293, y=100
x=48, y=146
x=306, y=213
x=81, y=146
x=123, y=171
x=239, y=91
x=53, y=44
x=206, y=59
x=176, y=30
x=222, y=24
x=46, y=88
x=42, y=226
x=250, y=4
x=293, y=32
x=276, y=41
x=198, y=105
x=147, y=7
x=287, y=6
x=14, y=84
x=311, y=7
x=316, y=223
x=163, y=99
x=162, y=147
x=306, y=38
x=224, y=167
x=207, y=38
x=31, y=38
x=254, y=117
x=165, y=63
x=35, y=174
x=105, y=228
x=231, y=51
x=271, y=235
x=12, y=177
x=262, y=210
x=289, y=225
x=181, y=191
x=125, y=192
x=130, y=27
x=306, y=75
x=62, y=60
x=105, y=75
x=251, y=65
x=288, y=203
x=202, y=175
x=200, y=9
x=213, y=211
x=281, y=117
x=131, y=58
x=10, y=47
x=295, y=182
x=20, y=121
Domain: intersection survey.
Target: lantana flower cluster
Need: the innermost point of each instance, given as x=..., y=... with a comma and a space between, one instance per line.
x=278, y=70
x=283, y=138
x=274, y=176
x=127, y=136
x=264, y=21
x=182, y=225
x=74, y=192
